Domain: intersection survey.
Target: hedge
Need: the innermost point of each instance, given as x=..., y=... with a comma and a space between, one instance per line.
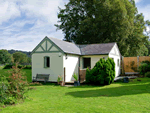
x=8, y=66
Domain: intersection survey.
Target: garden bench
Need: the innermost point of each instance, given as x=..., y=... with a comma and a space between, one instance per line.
x=44, y=77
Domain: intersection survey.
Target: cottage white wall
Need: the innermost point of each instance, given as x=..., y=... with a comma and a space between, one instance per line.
x=114, y=53
x=71, y=65
x=94, y=59
x=56, y=65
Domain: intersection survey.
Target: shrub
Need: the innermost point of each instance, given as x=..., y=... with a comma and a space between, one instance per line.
x=88, y=76
x=146, y=61
x=59, y=78
x=3, y=90
x=28, y=67
x=9, y=66
x=17, y=83
x=75, y=76
x=147, y=74
x=102, y=73
x=14, y=86
x=143, y=68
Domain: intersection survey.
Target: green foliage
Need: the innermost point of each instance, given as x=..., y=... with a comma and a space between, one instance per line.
x=4, y=97
x=28, y=67
x=20, y=57
x=17, y=83
x=146, y=61
x=104, y=21
x=143, y=68
x=88, y=76
x=28, y=60
x=59, y=78
x=9, y=66
x=137, y=36
x=102, y=73
x=147, y=74
x=5, y=57
x=13, y=87
x=75, y=76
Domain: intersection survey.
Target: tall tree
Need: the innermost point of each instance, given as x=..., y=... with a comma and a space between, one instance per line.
x=137, y=41
x=5, y=57
x=20, y=57
x=28, y=60
x=101, y=21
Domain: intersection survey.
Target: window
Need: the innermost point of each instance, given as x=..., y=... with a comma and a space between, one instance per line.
x=118, y=62
x=86, y=62
x=46, y=61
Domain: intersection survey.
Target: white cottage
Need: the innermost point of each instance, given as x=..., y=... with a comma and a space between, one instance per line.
x=51, y=55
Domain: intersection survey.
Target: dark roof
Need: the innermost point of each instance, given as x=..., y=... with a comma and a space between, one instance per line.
x=67, y=47
x=88, y=49
x=91, y=49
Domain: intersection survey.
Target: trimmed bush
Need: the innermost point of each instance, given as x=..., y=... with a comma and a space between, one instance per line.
x=88, y=75
x=28, y=67
x=147, y=74
x=103, y=73
x=9, y=66
x=143, y=68
x=146, y=61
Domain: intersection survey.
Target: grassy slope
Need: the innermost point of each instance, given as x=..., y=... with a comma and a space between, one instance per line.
x=118, y=97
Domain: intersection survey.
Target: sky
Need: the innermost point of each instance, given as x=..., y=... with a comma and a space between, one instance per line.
x=24, y=23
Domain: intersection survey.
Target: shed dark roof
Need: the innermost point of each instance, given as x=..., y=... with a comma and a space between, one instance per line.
x=91, y=49
x=67, y=47
x=88, y=49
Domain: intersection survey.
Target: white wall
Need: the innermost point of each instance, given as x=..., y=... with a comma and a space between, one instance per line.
x=56, y=65
x=94, y=59
x=114, y=53
x=71, y=65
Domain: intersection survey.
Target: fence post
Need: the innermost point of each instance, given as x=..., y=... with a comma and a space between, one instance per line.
x=64, y=74
x=79, y=74
x=122, y=65
x=137, y=63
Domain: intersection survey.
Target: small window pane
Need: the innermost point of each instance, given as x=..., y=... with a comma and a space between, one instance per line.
x=47, y=63
x=86, y=62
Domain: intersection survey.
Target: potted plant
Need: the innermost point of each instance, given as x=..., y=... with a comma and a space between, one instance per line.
x=59, y=80
x=76, y=82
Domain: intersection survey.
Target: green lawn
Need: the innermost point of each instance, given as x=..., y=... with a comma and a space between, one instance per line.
x=132, y=97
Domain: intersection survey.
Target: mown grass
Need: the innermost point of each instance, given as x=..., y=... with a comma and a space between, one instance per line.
x=132, y=97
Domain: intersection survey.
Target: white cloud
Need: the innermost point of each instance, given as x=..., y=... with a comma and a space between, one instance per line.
x=137, y=1
x=145, y=11
x=41, y=14
x=45, y=10
x=8, y=10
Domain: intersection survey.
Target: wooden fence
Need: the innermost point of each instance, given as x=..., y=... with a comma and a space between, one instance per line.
x=130, y=64
x=82, y=74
